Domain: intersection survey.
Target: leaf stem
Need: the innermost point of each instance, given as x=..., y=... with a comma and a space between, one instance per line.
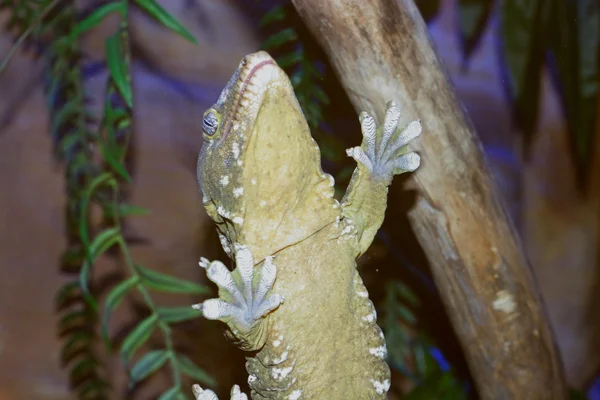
x=166, y=331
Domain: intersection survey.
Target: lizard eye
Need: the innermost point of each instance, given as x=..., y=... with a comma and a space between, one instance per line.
x=210, y=122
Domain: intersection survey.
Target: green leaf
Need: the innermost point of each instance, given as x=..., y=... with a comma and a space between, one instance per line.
x=124, y=123
x=124, y=210
x=404, y=291
x=425, y=364
x=280, y=38
x=524, y=24
x=119, y=70
x=111, y=114
x=104, y=241
x=320, y=95
x=67, y=143
x=162, y=16
x=138, y=337
x=65, y=113
x=92, y=20
x=81, y=368
x=67, y=293
x=296, y=79
x=71, y=320
x=147, y=364
x=193, y=371
x=437, y=386
x=289, y=59
x=115, y=163
x=93, y=386
x=276, y=13
x=473, y=16
x=113, y=300
x=73, y=345
x=166, y=283
x=170, y=394
x=105, y=178
x=72, y=258
x=575, y=47
x=406, y=314
x=84, y=278
x=178, y=314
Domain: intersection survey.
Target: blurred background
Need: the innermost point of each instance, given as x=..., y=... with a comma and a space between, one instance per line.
x=528, y=79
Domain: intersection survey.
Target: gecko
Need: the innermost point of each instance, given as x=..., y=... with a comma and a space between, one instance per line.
x=295, y=299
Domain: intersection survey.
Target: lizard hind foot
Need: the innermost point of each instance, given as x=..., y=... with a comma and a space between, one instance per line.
x=383, y=149
x=244, y=297
x=207, y=394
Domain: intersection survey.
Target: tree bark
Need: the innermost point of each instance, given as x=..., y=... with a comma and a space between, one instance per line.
x=381, y=51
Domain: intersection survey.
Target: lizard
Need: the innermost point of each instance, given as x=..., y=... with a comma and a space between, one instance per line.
x=295, y=298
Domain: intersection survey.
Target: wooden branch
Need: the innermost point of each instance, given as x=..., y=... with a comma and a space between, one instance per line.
x=381, y=51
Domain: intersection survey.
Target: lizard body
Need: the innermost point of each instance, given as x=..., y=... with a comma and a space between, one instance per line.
x=295, y=297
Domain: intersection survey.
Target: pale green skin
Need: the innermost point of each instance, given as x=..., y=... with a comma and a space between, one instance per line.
x=322, y=342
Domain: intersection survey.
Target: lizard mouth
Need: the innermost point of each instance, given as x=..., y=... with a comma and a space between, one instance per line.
x=250, y=86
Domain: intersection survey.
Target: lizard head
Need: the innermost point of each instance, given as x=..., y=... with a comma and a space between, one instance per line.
x=259, y=169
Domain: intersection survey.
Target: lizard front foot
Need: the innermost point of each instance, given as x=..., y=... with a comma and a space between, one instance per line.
x=383, y=149
x=207, y=394
x=243, y=296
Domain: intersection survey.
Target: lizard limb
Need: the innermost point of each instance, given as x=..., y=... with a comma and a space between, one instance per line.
x=383, y=149
x=207, y=394
x=381, y=155
x=243, y=301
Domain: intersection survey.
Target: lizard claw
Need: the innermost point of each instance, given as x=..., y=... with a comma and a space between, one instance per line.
x=383, y=149
x=207, y=394
x=243, y=298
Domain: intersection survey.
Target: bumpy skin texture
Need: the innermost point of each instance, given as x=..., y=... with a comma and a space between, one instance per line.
x=295, y=297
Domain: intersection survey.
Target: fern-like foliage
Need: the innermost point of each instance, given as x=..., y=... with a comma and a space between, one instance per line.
x=24, y=14
x=54, y=20
x=562, y=36
x=113, y=142
x=73, y=143
x=412, y=353
x=97, y=176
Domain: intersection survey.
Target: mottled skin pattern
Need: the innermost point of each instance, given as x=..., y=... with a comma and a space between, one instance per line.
x=295, y=297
